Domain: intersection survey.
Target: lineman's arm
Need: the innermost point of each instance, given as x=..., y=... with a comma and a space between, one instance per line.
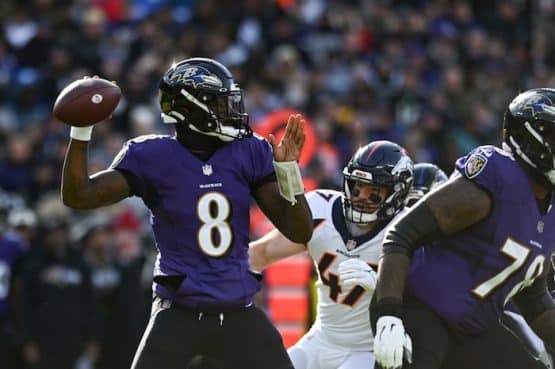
x=453, y=207
x=80, y=191
x=270, y=248
x=538, y=308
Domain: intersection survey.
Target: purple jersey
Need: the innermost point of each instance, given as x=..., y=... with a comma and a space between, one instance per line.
x=199, y=215
x=12, y=249
x=468, y=278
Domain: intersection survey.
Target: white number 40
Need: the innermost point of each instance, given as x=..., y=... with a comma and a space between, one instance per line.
x=519, y=254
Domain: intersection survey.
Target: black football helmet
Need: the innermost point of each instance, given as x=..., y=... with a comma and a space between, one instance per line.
x=530, y=130
x=427, y=176
x=201, y=94
x=380, y=163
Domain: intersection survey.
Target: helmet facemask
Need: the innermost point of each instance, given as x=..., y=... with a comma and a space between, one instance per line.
x=375, y=209
x=530, y=132
x=221, y=115
x=535, y=144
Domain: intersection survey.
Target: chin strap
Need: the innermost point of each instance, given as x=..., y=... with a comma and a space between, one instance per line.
x=289, y=180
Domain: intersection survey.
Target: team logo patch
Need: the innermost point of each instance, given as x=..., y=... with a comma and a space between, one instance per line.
x=196, y=77
x=474, y=165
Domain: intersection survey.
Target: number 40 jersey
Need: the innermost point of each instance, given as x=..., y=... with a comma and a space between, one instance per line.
x=343, y=317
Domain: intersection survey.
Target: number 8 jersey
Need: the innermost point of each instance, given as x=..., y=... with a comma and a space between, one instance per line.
x=342, y=318
x=468, y=277
x=199, y=215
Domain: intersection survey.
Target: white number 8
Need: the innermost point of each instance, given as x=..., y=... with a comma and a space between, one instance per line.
x=213, y=210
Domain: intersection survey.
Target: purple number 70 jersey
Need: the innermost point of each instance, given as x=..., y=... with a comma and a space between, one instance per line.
x=199, y=215
x=468, y=278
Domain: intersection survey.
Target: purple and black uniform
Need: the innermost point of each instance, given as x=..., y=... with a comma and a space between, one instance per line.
x=200, y=218
x=467, y=279
x=199, y=215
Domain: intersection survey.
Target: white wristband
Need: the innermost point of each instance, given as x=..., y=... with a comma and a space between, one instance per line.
x=81, y=133
x=289, y=180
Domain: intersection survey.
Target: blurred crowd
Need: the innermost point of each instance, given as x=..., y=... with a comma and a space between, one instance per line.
x=434, y=76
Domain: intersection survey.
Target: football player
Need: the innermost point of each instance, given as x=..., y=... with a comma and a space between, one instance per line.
x=348, y=231
x=453, y=261
x=502, y=344
x=198, y=185
x=427, y=176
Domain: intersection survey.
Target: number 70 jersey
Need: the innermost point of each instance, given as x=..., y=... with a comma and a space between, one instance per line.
x=468, y=278
x=343, y=317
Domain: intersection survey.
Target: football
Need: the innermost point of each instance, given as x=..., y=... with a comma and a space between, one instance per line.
x=86, y=101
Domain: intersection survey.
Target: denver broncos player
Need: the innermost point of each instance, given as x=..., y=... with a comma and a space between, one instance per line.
x=482, y=239
x=197, y=185
x=427, y=176
x=345, y=246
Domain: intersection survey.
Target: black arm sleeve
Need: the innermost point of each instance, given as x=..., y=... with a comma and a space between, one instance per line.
x=534, y=300
x=411, y=230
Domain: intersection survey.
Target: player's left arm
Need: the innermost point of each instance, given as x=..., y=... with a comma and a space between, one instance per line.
x=284, y=202
x=270, y=248
x=538, y=308
x=452, y=208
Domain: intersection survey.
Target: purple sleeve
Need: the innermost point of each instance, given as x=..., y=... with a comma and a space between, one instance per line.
x=127, y=161
x=262, y=158
x=483, y=165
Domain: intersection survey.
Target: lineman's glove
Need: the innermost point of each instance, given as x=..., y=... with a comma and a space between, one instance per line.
x=391, y=343
x=354, y=272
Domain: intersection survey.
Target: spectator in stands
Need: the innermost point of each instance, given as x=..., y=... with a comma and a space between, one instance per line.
x=59, y=316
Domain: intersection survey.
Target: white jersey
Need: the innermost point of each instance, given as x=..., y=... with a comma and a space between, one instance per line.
x=343, y=317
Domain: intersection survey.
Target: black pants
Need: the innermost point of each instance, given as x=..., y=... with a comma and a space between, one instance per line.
x=244, y=339
x=436, y=346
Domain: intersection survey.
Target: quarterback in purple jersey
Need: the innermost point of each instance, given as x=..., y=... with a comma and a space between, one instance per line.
x=454, y=260
x=197, y=185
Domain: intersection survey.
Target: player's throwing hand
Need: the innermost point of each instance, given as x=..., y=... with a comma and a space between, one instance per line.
x=289, y=149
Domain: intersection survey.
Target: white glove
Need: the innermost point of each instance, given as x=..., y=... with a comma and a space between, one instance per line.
x=354, y=272
x=391, y=343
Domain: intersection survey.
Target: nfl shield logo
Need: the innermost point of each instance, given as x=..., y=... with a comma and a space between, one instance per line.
x=540, y=226
x=350, y=245
x=207, y=169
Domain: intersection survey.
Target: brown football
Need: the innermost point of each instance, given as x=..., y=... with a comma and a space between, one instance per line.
x=86, y=101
